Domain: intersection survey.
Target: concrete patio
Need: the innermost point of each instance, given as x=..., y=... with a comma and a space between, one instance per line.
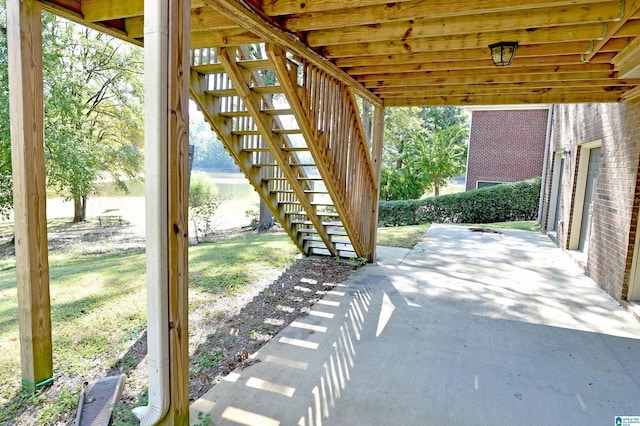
x=465, y=329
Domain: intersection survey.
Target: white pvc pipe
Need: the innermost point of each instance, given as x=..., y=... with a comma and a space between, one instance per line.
x=156, y=42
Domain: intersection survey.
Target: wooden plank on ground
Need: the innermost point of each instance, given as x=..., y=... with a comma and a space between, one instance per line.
x=96, y=402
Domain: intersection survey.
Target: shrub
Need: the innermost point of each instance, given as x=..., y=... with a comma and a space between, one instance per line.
x=203, y=203
x=501, y=203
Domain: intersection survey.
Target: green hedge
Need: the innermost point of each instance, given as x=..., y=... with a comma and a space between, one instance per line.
x=501, y=203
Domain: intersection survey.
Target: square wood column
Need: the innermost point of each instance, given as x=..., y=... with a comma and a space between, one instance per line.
x=24, y=37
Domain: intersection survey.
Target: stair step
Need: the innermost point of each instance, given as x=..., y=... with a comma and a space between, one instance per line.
x=300, y=178
x=263, y=90
x=267, y=90
x=235, y=114
x=276, y=131
x=313, y=238
x=285, y=149
x=308, y=222
x=313, y=203
x=325, y=214
x=288, y=191
x=287, y=131
x=322, y=251
x=329, y=232
x=222, y=93
x=251, y=64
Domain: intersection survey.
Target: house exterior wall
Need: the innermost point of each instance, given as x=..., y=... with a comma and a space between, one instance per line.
x=506, y=145
x=617, y=126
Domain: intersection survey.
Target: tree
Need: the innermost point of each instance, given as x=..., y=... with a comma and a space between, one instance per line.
x=93, y=113
x=438, y=156
x=401, y=127
x=203, y=203
x=424, y=147
x=209, y=151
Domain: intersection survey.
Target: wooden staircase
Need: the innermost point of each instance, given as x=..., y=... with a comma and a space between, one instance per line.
x=297, y=136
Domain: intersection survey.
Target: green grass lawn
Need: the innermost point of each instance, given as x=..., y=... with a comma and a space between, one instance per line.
x=524, y=225
x=98, y=309
x=409, y=236
x=401, y=236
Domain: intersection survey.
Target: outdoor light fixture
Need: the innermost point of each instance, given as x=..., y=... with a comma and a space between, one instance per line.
x=502, y=53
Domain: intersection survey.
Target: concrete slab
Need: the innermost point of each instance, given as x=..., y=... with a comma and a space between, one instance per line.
x=465, y=329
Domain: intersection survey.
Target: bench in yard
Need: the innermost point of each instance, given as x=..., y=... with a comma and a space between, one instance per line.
x=112, y=219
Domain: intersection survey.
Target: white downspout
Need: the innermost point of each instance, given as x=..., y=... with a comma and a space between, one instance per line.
x=156, y=42
x=547, y=146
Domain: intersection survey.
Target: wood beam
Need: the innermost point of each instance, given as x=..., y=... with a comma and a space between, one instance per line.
x=202, y=19
x=376, y=161
x=492, y=71
x=466, y=24
x=627, y=62
x=306, y=20
x=233, y=37
x=247, y=18
x=526, y=51
x=437, y=7
x=479, y=64
x=24, y=37
x=631, y=10
x=535, y=86
x=488, y=80
x=504, y=100
x=504, y=90
x=570, y=33
x=178, y=203
x=106, y=10
x=287, y=7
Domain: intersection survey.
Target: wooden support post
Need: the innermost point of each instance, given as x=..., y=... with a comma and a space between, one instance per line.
x=24, y=36
x=178, y=202
x=376, y=159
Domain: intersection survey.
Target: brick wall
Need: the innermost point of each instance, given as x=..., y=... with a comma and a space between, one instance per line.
x=506, y=145
x=612, y=239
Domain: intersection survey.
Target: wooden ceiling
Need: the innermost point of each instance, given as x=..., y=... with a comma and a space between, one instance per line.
x=424, y=52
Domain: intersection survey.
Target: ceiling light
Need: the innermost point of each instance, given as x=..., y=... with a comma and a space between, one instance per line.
x=502, y=53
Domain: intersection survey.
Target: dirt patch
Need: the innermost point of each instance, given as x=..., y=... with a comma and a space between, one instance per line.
x=281, y=302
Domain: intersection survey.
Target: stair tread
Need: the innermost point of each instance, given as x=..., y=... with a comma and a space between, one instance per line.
x=328, y=231
x=249, y=64
x=289, y=191
x=286, y=149
x=269, y=111
x=316, y=238
x=282, y=178
x=301, y=212
x=276, y=131
x=308, y=222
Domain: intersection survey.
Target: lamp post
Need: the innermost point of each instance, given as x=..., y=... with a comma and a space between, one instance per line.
x=502, y=52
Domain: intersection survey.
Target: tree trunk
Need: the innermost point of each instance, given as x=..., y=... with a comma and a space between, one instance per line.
x=436, y=187
x=266, y=218
x=84, y=208
x=79, y=208
x=400, y=152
